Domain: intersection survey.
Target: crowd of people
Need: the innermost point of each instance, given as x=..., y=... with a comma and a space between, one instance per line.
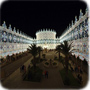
x=23, y=69
x=45, y=74
x=79, y=76
x=78, y=70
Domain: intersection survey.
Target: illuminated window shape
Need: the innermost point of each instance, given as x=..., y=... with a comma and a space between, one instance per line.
x=83, y=29
x=0, y=36
x=18, y=39
x=80, y=31
x=14, y=38
x=71, y=35
x=86, y=27
x=83, y=48
x=86, y=33
x=10, y=37
x=22, y=40
x=76, y=33
x=4, y=36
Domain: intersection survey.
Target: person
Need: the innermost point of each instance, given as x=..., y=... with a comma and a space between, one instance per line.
x=78, y=75
x=22, y=67
x=80, y=78
x=47, y=74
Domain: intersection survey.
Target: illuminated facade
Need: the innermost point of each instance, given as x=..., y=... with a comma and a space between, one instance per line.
x=12, y=41
x=46, y=38
x=78, y=34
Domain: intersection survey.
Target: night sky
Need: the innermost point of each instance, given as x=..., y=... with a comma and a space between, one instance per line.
x=30, y=16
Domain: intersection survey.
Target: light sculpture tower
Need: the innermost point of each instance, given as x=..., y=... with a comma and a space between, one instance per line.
x=46, y=38
x=78, y=33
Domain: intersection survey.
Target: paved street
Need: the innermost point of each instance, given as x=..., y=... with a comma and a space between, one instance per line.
x=10, y=68
x=54, y=80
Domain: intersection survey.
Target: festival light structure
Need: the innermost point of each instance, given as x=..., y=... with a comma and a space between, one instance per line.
x=46, y=38
x=12, y=41
x=78, y=33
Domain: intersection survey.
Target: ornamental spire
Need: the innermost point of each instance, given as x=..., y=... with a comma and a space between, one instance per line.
x=75, y=19
x=72, y=22
x=14, y=29
x=81, y=14
x=20, y=32
x=4, y=24
x=17, y=30
x=86, y=10
x=69, y=25
x=10, y=27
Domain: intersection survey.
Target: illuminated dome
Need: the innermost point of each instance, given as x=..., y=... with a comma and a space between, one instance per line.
x=46, y=38
x=45, y=34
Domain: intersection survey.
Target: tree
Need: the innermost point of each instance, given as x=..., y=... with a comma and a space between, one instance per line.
x=85, y=65
x=1, y=59
x=58, y=50
x=66, y=50
x=8, y=58
x=39, y=51
x=34, y=51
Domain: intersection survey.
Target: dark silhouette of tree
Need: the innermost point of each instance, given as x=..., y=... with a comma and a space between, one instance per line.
x=34, y=51
x=58, y=50
x=66, y=50
x=39, y=51
x=8, y=58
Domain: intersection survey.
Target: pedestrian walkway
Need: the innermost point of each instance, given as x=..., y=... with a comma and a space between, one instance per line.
x=10, y=68
x=54, y=79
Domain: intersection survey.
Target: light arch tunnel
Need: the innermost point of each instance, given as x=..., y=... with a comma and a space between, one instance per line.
x=15, y=41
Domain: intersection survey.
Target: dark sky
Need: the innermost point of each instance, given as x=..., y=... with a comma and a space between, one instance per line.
x=30, y=16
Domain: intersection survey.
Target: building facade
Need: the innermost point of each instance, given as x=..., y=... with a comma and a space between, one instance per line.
x=12, y=41
x=46, y=38
x=78, y=34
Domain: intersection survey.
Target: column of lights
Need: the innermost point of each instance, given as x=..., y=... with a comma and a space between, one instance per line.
x=16, y=37
x=77, y=28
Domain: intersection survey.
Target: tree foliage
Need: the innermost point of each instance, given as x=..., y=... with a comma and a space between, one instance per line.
x=66, y=50
x=58, y=50
x=34, y=51
x=39, y=51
